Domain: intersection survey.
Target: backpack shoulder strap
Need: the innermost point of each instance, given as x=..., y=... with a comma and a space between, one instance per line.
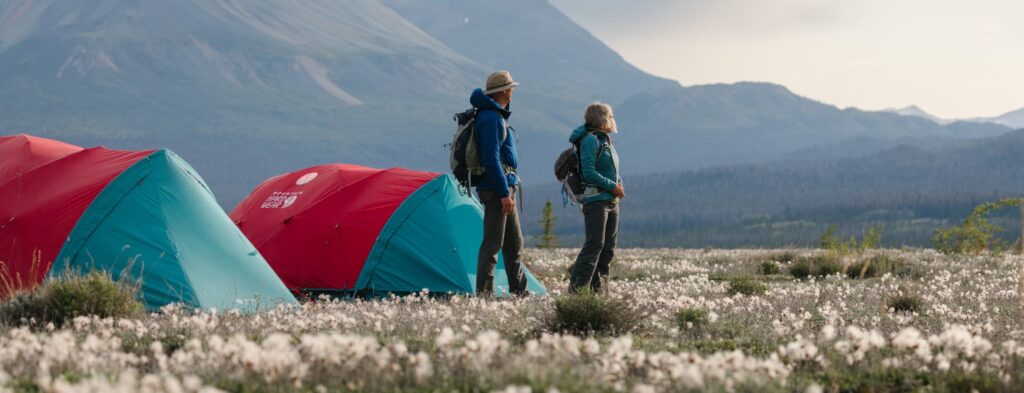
x=601, y=144
x=579, y=143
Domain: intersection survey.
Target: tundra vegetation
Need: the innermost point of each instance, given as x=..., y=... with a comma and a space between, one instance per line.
x=671, y=320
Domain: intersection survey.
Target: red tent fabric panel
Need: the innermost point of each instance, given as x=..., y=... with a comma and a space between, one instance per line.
x=39, y=208
x=316, y=226
x=21, y=153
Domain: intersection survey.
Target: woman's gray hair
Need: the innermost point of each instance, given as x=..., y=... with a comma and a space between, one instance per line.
x=599, y=117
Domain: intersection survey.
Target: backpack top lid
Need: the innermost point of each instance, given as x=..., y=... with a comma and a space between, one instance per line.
x=465, y=117
x=568, y=161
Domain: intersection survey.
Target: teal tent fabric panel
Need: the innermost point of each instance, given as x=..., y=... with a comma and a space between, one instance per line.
x=160, y=221
x=533, y=285
x=466, y=217
x=141, y=249
x=225, y=269
x=416, y=250
x=438, y=230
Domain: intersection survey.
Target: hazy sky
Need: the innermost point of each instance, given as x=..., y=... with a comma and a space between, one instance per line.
x=954, y=58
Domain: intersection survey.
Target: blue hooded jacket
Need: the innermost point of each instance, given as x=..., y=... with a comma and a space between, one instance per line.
x=495, y=154
x=599, y=167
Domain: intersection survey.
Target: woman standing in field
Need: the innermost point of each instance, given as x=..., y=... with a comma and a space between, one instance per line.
x=599, y=167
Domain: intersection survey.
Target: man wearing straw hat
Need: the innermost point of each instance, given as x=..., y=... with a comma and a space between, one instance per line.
x=497, y=149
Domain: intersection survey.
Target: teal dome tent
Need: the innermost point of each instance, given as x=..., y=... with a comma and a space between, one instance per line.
x=347, y=229
x=144, y=214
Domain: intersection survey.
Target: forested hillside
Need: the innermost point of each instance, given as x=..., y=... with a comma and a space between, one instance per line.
x=910, y=190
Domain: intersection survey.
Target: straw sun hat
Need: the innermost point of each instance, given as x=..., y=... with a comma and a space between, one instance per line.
x=499, y=81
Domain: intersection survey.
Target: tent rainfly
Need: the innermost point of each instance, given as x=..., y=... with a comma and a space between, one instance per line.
x=146, y=214
x=347, y=229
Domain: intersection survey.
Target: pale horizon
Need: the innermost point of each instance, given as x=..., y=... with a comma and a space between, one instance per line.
x=867, y=54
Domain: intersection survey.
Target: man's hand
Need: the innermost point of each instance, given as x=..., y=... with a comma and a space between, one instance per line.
x=619, y=191
x=508, y=206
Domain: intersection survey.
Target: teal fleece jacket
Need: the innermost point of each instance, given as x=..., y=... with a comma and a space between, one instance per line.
x=600, y=173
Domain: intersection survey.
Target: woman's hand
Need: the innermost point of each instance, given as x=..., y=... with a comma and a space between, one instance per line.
x=619, y=191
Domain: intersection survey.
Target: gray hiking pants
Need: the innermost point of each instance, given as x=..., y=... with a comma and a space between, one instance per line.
x=501, y=233
x=601, y=222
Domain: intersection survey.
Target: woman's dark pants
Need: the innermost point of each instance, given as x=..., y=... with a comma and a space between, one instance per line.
x=601, y=220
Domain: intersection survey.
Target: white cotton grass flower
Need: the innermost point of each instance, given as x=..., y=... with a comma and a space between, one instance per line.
x=957, y=340
x=128, y=382
x=799, y=350
x=858, y=342
x=591, y=347
x=910, y=340
x=446, y=338
x=828, y=332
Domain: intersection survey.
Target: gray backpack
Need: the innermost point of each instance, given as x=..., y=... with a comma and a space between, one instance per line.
x=464, y=155
x=568, y=172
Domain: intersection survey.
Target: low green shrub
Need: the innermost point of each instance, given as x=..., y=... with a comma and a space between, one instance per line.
x=878, y=266
x=800, y=269
x=818, y=266
x=746, y=286
x=690, y=319
x=62, y=299
x=770, y=267
x=784, y=257
x=905, y=303
x=883, y=379
x=714, y=345
x=827, y=265
x=862, y=269
x=587, y=313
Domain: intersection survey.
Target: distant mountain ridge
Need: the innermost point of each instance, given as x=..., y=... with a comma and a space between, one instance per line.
x=712, y=125
x=916, y=111
x=1012, y=119
x=247, y=90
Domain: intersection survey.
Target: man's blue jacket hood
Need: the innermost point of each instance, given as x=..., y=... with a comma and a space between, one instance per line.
x=482, y=101
x=496, y=154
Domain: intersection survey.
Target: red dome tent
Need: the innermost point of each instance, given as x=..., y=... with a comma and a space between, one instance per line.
x=145, y=214
x=343, y=228
x=38, y=222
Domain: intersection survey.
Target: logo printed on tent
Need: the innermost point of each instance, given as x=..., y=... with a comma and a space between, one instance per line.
x=291, y=200
x=306, y=178
x=280, y=200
